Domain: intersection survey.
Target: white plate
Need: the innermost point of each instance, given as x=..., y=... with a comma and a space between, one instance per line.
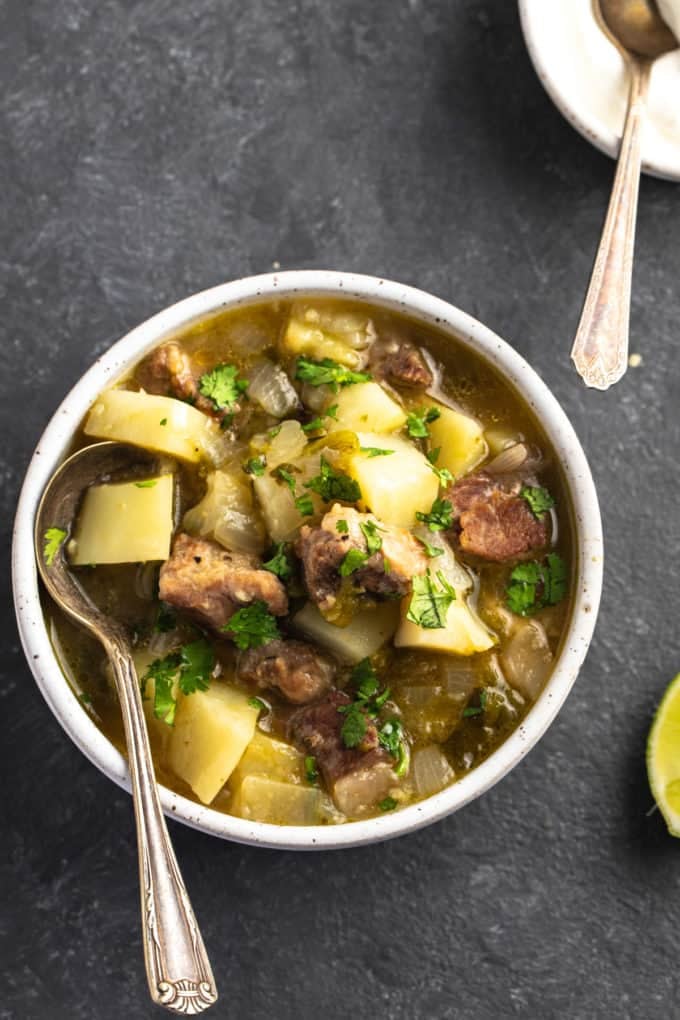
x=586, y=77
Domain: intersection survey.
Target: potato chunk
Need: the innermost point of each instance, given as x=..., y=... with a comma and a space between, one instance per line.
x=212, y=730
x=460, y=439
x=261, y=799
x=464, y=633
x=156, y=423
x=396, y=486
x=126, y=522
x=366, y=633
x=319, y=332
x=366, y=407
x=266, y=756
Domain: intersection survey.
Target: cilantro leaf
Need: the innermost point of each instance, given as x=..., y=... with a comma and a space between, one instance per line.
x=391, y=737
x=342, y=527
x=327, y=373
x=255, y=466
x=430, y=550
x=417, y=421
x=259, y=704
x=197, y=663
x=474, y=710
x=304, y=505
x=364, y=679
x=369, y=530
x=539, y=500
x=316, y=424
x=433, y=455
x=222, y=386
x=252, y=626
x=443, y=474
x=440, y=516
x=355, y=725
x=280, y=563
x=376, y=451
x=282, y=474
x=535, y=585
x=147, y=484
x=163, y=421
x=53, y=539
x=332, y=485
x=388, y=804
x=429, y=603
x=354, y=559
x=311, y=771
x=163, y=672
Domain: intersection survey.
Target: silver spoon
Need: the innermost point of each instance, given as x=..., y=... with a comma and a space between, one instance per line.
x=177, y=966
x=600, y=350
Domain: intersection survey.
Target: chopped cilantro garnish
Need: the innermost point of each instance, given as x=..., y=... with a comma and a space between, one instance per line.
x=163, y=421
x=284, y=475
x=342, y=527
x=280, y=563
x=535, y=585
x=327, y=373
x=539, y=500
x=255, y=466
x=259, y=704
x=311, y=771
x=433, y=455
x=354, y=559
x=388, y=804
x=332, y=412
x=440, y=516
x=430, y=550
x=364, y=679
x=148, y=484
x=190, y=669
x=197, y=663
x=273, y=433
x=370, y=530
x=375, y=451
x=85, y=698
x=252, y=626
x=332, y=485
x=391, y=737
x=315, y=425
x=355, y=725
x=222, y=386
x=166, y=619
x=473, y=710
x=304, y=505
x=443, y=474
x=417, y=421
x=53, y=539
x=429, y=603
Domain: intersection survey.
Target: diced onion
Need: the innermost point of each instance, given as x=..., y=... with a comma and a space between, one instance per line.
x=287, y=445
x=226, y=514
x=527, y=659
x=430, y=771
x=269, y=385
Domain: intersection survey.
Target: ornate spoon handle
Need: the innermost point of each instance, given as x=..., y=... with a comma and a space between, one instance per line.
x=177, y=966
x=600, y=350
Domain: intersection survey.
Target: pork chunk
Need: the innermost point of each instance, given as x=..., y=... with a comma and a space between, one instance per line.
x=385, y=574
x=206, y=581
x=493, y=521
x=168, y=371
x=399, y=363
x=357, y=778
x=294, y=668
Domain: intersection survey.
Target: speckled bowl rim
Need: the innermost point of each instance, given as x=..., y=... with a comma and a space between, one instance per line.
x=588, y=125
x=431, y=311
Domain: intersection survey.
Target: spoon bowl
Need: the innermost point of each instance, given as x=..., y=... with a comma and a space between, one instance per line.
x=636, y=27
x=178, y=970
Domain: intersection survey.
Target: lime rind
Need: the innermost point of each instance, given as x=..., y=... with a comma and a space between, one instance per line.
x=663, y=757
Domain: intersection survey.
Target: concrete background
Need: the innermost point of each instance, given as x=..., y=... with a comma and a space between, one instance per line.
x=151, y=149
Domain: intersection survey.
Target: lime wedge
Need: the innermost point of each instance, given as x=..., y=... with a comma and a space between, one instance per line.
x=663, y=756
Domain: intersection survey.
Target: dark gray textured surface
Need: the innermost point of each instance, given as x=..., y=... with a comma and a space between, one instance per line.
x=152, y=149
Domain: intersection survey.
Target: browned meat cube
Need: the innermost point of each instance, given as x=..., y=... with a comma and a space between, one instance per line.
x=493, y=522
x=357, y=778
x=294, y=668
x=406, y=367
x=385, y=574
x=208, y=582
x=168, y=372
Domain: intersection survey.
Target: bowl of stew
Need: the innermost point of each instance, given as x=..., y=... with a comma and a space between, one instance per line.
x=359, y=582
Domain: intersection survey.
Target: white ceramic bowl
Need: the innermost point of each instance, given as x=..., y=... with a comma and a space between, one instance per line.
x=430, y=310
x=585, y=75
